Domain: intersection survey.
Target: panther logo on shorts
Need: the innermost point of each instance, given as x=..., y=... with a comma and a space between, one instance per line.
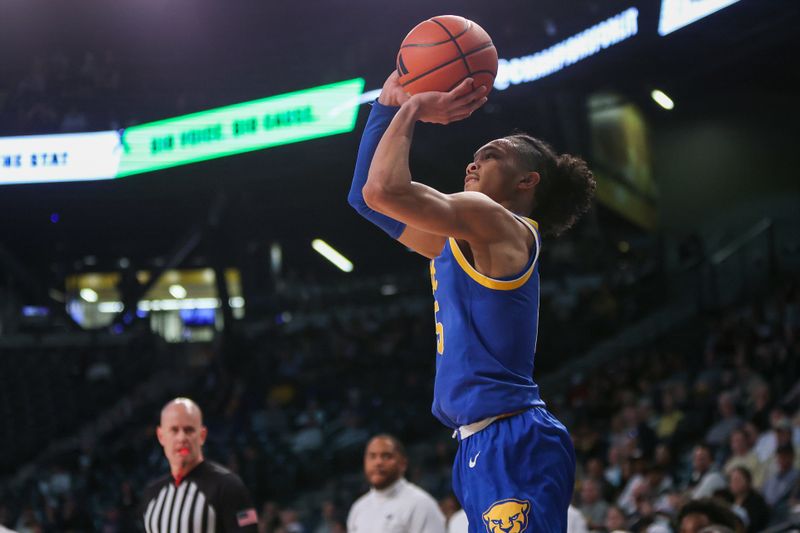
x=507, y=516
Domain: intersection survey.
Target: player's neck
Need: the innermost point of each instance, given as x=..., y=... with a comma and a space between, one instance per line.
x=516, y=208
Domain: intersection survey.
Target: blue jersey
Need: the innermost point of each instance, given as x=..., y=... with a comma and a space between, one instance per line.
x=485, y=337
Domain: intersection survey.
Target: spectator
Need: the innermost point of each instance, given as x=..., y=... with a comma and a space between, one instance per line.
x=636, y=483
x=594, y=469
x=575, y=521
x=721, y=430
x=330, y=518
x=699, y=514
x=290, y=522
x=28, y=522
x=663, y=457
x=638, y=419
x=353, y=434
x=309, y=437
x=760, y=405
x=269, y=519
x=740, y=484
x=670, y=416
x=613, y=472
x=783, y=437
x=767, y=441
x=742, y=456
x=659, y=486
x=705, y=479
x=778, y=487
x=615, y=519
x=645, y=519
x=592, y=506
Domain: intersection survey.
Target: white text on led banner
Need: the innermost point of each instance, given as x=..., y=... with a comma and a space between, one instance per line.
x=568, y=52
x=65, y=157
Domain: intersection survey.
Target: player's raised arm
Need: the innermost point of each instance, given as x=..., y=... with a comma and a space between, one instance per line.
x=381, y=114
x=391, y=191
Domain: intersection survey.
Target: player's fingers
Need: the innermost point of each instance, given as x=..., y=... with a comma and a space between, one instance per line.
x=469, y=107
x=462, y=89
x=478, y=103
x=460, y=116
x=475, y=94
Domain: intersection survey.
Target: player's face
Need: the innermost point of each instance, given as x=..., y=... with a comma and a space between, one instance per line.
x=383, y=464
x=494, y=170
x=182, y=434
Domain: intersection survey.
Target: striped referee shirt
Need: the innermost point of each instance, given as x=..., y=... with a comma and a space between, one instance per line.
x=209, y=499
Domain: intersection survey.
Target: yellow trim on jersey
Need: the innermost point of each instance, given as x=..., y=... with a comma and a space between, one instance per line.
x=530, y=221
x=492, y=283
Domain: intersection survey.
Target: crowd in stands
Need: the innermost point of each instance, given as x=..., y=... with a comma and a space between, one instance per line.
x=49, y=391
x=702, y=424
x=62, y=92
x=70, y=90
x=698, y=424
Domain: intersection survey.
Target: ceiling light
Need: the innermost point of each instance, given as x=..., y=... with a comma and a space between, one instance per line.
x=662, y=99
x=89, y=295
x=328, y=252
x=177, y=291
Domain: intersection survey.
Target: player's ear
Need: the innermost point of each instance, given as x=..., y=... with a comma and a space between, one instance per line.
x=160, y=435
x=203, y=434
x=529, y=180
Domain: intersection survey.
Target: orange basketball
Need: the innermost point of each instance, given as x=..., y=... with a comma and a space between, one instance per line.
x=439, y=53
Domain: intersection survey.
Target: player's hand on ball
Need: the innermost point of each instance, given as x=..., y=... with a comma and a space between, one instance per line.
x=444, y=108
x=392, y=93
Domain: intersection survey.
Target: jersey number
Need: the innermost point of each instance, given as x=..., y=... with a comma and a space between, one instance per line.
x=439, y=326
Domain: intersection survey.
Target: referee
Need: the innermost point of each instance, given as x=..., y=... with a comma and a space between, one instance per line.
x=197, y=496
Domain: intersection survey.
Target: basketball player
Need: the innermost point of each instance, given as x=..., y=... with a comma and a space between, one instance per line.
x=198, y=496
x=515, y=467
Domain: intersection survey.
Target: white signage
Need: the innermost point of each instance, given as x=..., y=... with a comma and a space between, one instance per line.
x=568, y=52
x=66, y=157
x=675, y=14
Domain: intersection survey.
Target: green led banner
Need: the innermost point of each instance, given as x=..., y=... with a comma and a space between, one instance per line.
x=273, y=121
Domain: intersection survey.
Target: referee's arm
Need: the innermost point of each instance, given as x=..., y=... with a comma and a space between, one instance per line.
x=237, y=511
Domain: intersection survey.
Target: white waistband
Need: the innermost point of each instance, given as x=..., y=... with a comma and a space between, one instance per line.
x=470, y=429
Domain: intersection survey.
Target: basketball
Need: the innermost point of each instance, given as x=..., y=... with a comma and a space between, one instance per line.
x=441, y=52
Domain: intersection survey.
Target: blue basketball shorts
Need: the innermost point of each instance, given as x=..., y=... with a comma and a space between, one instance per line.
x=516, y=475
